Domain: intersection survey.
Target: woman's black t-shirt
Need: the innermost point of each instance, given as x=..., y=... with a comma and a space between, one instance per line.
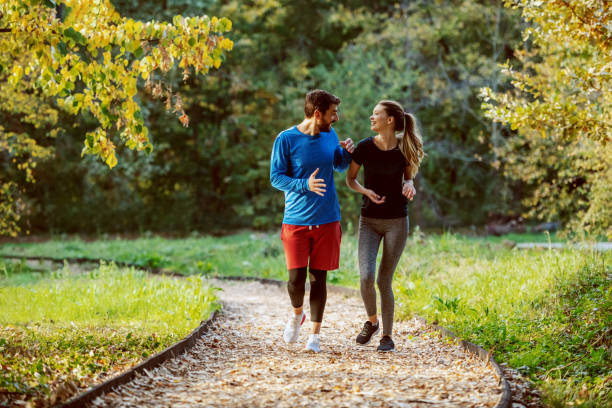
x=383, y=173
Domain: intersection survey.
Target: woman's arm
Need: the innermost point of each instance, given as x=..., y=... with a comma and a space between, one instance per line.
x=408, y=189
x=351, y=181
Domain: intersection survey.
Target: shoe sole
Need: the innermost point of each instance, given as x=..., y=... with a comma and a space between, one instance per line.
x=386, y=351
x=370, y=339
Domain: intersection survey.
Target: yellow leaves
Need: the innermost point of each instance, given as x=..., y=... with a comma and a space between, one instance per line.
x=97, y=143
x=226, y=24
x=226, y=44
x=111, y=160
x=130, y=87
x=67, y=53
x=17, y=74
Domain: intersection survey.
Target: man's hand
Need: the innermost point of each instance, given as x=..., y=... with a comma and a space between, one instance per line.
x=408, y=189
x=375, y=198
x=348, y=145
x=316, y=185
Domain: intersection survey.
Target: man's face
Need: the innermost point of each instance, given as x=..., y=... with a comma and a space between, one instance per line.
x=327, y=119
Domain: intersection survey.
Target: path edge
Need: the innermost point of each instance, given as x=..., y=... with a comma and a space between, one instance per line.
x=505, y=400
x=150, y=363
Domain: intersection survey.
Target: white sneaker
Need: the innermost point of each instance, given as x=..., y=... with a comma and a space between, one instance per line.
x=292, y=328
x=314, y=343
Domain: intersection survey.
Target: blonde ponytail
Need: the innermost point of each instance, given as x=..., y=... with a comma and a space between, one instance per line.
x=411, y=142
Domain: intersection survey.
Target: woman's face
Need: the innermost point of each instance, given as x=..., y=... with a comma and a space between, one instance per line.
x=379, y=119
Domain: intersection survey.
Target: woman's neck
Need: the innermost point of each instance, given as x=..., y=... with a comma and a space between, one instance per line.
x=386, y=140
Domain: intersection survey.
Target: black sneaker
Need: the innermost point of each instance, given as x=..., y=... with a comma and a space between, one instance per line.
x=367, y=332
x=386, y=345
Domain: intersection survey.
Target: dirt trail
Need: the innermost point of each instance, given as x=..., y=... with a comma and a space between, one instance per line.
x=243, y=362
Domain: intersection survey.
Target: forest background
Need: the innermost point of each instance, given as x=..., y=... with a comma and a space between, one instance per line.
x=440, y=59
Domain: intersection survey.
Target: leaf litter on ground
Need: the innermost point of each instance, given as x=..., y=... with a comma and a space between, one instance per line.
x=243, y=361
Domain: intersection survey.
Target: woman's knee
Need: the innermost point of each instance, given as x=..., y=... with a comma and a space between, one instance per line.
x=384, y=285
x=367, y=282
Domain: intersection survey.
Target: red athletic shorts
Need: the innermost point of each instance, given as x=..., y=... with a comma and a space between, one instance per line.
x=320, y=243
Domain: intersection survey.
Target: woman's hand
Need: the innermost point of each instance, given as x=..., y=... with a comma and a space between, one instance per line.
x=375, y=198
x=408, y=189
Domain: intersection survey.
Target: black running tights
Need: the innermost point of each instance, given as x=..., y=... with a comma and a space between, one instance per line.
x=318, y=291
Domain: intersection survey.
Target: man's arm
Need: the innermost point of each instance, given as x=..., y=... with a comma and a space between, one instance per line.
x=279, y=168
x=342, y=154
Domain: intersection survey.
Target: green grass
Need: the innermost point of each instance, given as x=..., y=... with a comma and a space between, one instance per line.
x=546, y=313
x=540, y=237
x=232, y=255
x=66, y=328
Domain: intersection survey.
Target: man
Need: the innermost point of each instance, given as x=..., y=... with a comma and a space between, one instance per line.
x=302, y=165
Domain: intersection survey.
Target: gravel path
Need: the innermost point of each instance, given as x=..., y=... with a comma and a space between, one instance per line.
x=243, y=362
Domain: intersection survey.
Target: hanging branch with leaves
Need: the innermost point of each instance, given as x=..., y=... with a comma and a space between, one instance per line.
x=88, y=57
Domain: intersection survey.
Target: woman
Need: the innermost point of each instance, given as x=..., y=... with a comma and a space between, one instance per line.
x=390, y=163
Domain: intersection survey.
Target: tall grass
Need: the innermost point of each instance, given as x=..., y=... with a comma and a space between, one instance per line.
x=110, y=296
x=547, y=313
x=64, y=330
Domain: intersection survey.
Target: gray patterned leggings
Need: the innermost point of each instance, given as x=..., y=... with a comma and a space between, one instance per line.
x=394, y=233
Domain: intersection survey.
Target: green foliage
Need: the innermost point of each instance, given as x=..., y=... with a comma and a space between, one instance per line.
x=67, y=329
x=244, y=254
x=28, y=125
x=432, y=57
x=214, y=175
x=88, y=59
x=560, y=109
x=546, y=312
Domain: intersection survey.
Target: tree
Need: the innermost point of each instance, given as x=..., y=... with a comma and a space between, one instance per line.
x=561, y=110
x=433, y=57
x=88, y=58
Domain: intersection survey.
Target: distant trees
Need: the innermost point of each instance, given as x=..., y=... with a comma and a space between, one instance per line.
x=435, y=57
x=560, y=107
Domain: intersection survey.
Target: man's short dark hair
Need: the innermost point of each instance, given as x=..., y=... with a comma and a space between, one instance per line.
x=319, y=99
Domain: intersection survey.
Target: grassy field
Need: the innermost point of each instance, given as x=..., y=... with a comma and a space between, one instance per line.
x=65, y=330
x=546, y=313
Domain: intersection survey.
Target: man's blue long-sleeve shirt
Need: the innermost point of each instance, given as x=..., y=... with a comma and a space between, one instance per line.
x=295, y=156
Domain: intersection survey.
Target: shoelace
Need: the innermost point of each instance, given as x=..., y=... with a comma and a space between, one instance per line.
x=364, y=331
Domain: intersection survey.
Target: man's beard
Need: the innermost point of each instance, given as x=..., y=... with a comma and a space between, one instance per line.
x=325, y=127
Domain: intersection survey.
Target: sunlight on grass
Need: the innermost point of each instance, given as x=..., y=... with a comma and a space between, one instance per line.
x=68, y=329
x=545, y=312
x=110, y=296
